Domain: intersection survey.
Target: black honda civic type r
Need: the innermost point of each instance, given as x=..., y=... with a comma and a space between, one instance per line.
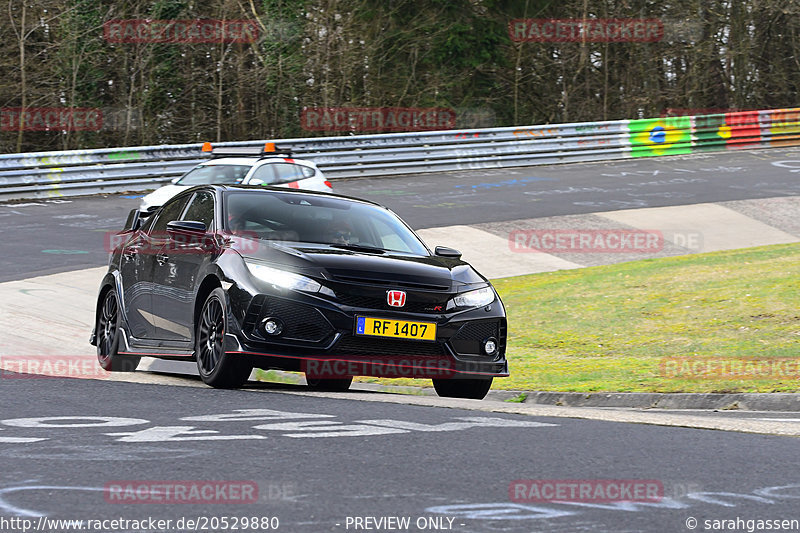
x=238, y=277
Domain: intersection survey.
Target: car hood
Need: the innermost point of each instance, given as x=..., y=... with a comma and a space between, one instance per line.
x=328, y=262
x=161, y=195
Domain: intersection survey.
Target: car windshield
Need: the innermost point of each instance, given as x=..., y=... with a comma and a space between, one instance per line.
x=321, y=220
x=215, y=174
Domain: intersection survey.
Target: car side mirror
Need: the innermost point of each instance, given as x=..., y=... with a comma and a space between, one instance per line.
x=444, y=251
x=134, y=221
x=191, y=233
x=190, y=228
x=175, y=180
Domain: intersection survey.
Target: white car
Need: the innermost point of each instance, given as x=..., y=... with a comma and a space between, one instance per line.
x=268, y=168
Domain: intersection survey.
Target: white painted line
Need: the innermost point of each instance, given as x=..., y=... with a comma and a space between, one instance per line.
x=177, y=434
x=719, y=228
x=628, y=416
x=18, y=511
x=466, y=422
x=20, y=440
x=51, y=422
x=326, y=429
x=253, y=415
x=490, y=254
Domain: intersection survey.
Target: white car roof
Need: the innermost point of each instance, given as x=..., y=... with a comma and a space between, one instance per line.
x=252, y=161
x=249, y=161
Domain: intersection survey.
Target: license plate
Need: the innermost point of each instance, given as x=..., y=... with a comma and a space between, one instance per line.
x=398, y=329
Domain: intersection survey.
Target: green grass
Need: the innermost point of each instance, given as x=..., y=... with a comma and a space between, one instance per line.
x=612, y=328
x=520, y=398
x=276, y=376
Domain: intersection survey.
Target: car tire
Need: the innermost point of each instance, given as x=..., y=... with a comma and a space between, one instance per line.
x=216, y=367
x=108, y=333
x=329, y=385
x=474, y=389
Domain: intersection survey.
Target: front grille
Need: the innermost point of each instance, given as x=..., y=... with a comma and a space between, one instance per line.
x=412, y=305
x=388, y=282
x=376, y=347
x=300, y=322
x=468, y=339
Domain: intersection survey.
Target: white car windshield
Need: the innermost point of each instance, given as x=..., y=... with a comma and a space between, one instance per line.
x=215, y=174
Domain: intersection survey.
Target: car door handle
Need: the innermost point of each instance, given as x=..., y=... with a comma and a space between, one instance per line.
x=162, y=258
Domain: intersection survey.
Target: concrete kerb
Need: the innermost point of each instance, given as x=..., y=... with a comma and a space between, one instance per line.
x=764, y=401
x=715, y=401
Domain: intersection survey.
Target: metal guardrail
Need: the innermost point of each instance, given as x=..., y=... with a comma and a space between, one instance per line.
x=79, y=172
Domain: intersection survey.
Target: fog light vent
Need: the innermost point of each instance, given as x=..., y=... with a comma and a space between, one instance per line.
x=272, y=326
x=490, y=346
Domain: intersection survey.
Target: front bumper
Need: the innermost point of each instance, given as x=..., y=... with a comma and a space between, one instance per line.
x=319, y=338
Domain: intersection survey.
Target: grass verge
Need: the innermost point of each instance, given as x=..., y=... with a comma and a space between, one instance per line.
x=718, y=322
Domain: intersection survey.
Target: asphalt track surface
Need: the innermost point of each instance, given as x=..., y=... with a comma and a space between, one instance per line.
x=319, y=460
x=48, y=236
x=314, y=480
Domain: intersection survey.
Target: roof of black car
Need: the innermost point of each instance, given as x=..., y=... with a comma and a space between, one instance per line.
x=267, y=188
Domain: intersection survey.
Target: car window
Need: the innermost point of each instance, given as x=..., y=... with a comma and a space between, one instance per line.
x=276, y=173
x=201, y=208
x=211, y=174
x=263, y=175
x=316, y=219
x=148, y=224
x=171, y=211
x=287, y=172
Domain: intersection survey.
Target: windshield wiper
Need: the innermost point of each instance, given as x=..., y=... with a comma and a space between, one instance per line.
x=359, y=248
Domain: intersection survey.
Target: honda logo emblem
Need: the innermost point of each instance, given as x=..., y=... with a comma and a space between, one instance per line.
x=396, y=298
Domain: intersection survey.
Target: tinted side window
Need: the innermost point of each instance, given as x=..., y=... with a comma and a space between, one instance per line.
x=264, y=175
x=287, y=172
x=171, y=211
x=201, y=208
x=148, y=224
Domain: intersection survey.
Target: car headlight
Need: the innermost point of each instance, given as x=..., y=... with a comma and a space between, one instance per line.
x=283, y=279
x=476, y=298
